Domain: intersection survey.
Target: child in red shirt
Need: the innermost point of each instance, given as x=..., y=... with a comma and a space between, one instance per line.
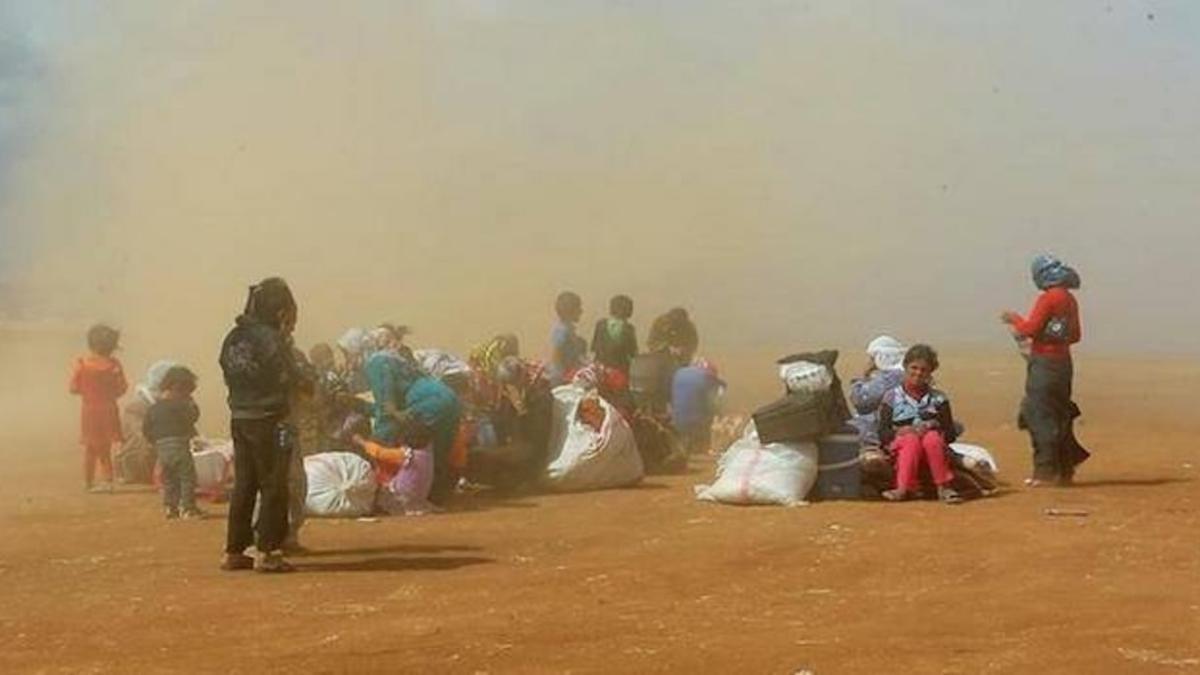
x=99, y=380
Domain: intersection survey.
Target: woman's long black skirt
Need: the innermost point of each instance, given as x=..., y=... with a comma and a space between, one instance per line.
x=1048, y=413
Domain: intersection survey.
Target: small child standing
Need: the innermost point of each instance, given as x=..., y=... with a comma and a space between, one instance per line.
x=99, y=380
x=171, y=425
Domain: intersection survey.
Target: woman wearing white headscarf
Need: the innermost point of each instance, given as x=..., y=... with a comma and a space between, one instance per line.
x=884, y=371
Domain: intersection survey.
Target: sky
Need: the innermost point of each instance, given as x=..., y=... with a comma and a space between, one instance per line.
x=794, y=173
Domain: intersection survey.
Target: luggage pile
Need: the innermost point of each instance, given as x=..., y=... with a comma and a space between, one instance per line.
x=797, y=447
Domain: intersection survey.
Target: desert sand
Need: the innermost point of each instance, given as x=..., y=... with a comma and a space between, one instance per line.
x=639, y=580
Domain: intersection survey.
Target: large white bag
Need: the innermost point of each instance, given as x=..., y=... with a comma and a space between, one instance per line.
x=340, y=485
x=582, y=458
x=213, y=459
x=752, y=473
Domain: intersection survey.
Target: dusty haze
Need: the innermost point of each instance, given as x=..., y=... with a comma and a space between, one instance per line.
x=795, y=173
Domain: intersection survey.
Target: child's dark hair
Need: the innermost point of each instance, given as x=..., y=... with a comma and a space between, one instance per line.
x=103, y=339
x=568, y=306
x=621, y=306
x=922, y=353
x=179, y=378
x=268, y=299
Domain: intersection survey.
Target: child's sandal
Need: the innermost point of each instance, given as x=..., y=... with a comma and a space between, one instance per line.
x=895, y=495
x=949, y=496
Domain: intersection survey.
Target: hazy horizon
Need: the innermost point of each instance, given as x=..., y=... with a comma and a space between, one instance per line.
x=792, y=172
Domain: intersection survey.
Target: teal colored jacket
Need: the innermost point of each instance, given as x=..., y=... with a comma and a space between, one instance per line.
x=389, y=377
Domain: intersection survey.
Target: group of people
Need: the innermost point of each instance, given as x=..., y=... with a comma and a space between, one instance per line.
x=371, y=393
x=905, y=422
x=402, y=407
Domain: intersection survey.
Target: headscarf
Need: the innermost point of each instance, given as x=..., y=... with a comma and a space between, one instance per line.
x=353, y=341
x=487, y=356
x=1050, y=272
x=378, y=339
x=887, y=352
x=151, y=387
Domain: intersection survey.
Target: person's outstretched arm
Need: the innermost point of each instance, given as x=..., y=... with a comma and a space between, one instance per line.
x=1033, y=324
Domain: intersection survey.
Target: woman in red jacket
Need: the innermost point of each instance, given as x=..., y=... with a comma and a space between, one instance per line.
x=1047, y=411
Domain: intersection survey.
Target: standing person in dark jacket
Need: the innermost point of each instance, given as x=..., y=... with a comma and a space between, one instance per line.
x=261, y=374
x=170, y=425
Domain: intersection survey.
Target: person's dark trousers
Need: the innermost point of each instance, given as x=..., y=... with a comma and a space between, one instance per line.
x=260, y=466
x=443, y=478
x=178, y=473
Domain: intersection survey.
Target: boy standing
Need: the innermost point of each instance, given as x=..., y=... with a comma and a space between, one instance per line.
x=171, y=425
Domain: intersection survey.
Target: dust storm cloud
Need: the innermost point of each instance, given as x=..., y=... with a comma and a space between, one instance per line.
x=795, y=173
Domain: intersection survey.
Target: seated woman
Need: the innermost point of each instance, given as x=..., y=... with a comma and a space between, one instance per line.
x=884, y=372
x=917, y=426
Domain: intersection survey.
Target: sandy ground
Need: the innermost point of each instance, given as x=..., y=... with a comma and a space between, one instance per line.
x=646, y=580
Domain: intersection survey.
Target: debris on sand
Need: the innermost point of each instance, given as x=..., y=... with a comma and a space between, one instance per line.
x=1066, y=513
x=1158, y=658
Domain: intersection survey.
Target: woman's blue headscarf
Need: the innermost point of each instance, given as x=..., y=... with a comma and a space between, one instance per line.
x=1049, y=272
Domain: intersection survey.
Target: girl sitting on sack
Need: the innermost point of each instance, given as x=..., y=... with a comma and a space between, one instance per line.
x=917, y=426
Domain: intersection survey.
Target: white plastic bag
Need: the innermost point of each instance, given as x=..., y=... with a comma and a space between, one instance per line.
x=214, y=464
x=340, y=485
x=803, y=377
x=975, y=456
x=440, y=364
x=584, y=459
x=752, y=473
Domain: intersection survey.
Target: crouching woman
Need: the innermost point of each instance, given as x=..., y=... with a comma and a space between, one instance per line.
x=917, y=426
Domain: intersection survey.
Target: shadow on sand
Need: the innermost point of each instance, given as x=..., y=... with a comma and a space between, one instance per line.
x=395, y=548
x=393, y=564
x=1127, y=482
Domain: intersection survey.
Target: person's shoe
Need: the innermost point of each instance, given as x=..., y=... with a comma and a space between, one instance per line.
x=1038, y=483
x=896, y=495
x=170, y=513
x=234, y=562
x=193, y=514
x=292, y=546
x=949, y=495
x=273, y=563
x=101, y=489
